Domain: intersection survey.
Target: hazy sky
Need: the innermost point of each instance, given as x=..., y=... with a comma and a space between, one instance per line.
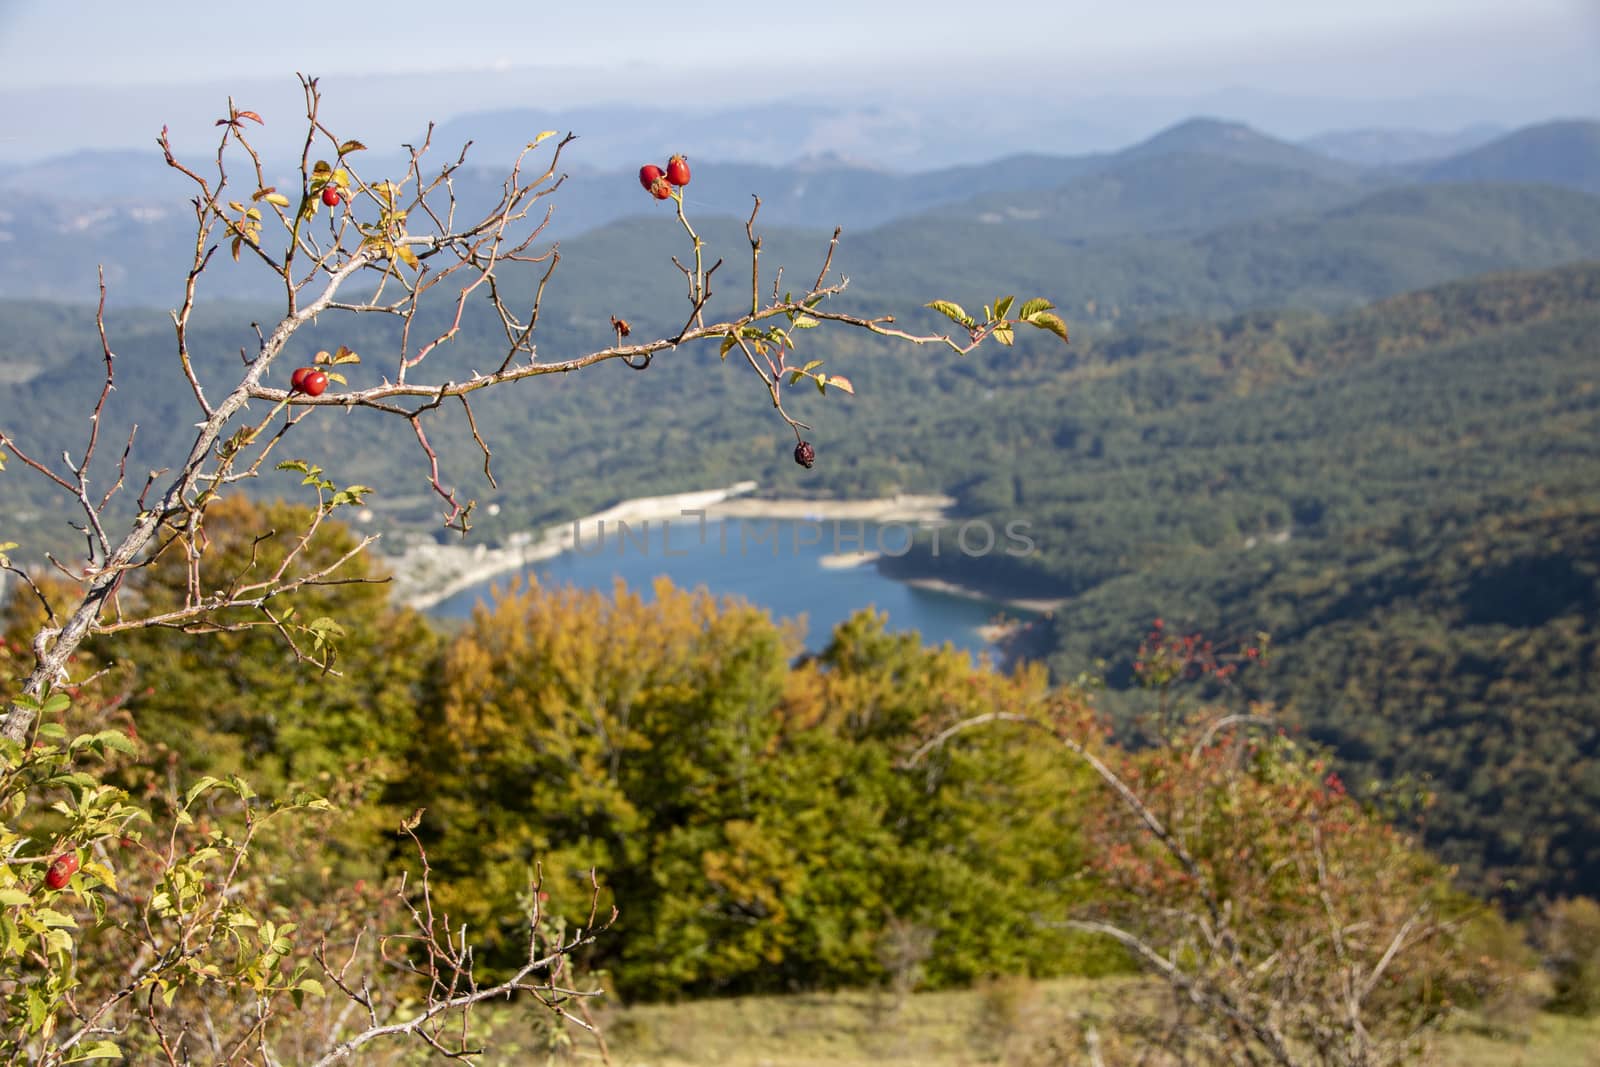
x=101, y=71
x=117, y=42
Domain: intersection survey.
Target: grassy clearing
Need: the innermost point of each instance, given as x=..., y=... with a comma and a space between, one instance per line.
x=1552, y=1041
x=1011, y=1022
x=1001, y=1022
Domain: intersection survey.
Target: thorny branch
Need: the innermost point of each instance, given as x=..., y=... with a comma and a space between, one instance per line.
x=443, y=957
x=406, y=236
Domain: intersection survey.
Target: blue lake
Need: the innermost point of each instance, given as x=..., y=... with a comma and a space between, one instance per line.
x=767, y=562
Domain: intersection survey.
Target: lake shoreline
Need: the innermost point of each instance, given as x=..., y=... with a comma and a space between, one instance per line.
x=1032, y=605
x=428, y=573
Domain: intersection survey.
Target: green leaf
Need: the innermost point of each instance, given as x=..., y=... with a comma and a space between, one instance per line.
x=811, y=366
x=1033, y=307
x=351, y=146
x=954, y=312
x=53, y=918
x=544, y=135
x=10, y=898
x=355, y=494
x=117, y=741
x=98, y=1050
x=1003, y=335
x=206, y=782
x=840, y=382
x=1002, y=306
x=57, y=702
x=805, y=322
x=1049, y=320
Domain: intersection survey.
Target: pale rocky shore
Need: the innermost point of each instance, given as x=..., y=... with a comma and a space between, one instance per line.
x=1037, y=605
x=427, y=572
x=905, y=507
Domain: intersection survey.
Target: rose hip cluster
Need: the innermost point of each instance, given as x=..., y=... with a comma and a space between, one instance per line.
x=659, y=183
x=308, y=380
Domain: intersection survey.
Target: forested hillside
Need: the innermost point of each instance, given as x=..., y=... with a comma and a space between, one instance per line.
x=1407, y=498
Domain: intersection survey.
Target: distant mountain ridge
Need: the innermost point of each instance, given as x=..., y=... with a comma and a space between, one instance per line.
x=1238, y=142
x=826, y=188
x=1399, y=238
x=1182, y=191
x=128, y=210
x=1384, y=147
x=1565, y=153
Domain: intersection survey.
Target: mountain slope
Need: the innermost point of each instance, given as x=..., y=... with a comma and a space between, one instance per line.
x=1382, y=147
x=1146, y=194
x=1555, y=153
x=1386, y=243
x=1238, y=142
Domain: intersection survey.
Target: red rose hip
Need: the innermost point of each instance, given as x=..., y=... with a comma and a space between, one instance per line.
x=804, y=454
x=298, y=378
x=678, y=170
x=648, y=175
x=661, y=189
x=330, y=196
x=62, y=868
x=314, y=383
